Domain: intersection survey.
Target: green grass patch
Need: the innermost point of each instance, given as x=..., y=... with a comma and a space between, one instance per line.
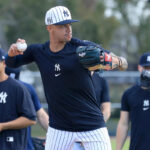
x=125, y=147
x=37, y=131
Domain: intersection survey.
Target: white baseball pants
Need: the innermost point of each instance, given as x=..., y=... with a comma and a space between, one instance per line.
x=63, y=140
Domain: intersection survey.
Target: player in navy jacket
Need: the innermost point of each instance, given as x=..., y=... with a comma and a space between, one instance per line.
x=73, y=110
x=42, y=116
x=16, y=111
x=135, y=108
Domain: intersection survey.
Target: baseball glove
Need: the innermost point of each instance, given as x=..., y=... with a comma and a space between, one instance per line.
x=94, y=58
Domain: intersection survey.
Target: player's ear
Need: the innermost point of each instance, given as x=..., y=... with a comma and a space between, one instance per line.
x=49, y=27
x=140, y=68
x=3, y=63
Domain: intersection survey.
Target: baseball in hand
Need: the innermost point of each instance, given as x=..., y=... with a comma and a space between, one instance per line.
x=21, y=46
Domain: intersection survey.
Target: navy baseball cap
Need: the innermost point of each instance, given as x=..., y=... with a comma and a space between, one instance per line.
x=145, y=59
x=2, y=54
x=58, y=15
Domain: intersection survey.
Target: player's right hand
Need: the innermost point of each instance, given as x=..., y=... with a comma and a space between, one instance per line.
x=13, y=50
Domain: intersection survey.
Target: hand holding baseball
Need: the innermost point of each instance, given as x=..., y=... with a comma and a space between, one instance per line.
x=17, y=48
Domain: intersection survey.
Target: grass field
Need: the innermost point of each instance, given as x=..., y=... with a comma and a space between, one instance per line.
x=37, y=131
x=113, y=144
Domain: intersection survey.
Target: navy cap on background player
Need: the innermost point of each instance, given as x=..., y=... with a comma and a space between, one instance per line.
x=2, y=55
x=58, y=15
x=13, y=72
x=145, y=59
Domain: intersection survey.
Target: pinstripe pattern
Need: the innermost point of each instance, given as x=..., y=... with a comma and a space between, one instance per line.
x=64, y=140
x=63, y=15
x=60, y=13
x=57, y=14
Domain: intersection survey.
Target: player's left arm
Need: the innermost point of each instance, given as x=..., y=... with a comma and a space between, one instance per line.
x=110, y=61
x=19, y=123
x=43, y=118
x=106, y=110
x=122, y=129
x=94, y=58
x=118, y=62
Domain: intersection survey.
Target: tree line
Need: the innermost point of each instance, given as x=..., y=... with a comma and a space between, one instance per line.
x=120, y=26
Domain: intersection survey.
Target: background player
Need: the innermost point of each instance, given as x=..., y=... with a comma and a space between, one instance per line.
x=102, y=94
x=135, y=107
x=68, y=87
x=42, y=116
x=16, y=111
x=103, y=100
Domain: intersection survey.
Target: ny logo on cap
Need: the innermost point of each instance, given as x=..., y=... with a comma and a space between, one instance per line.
x=148, y=58
x=66, y=14
x=49, y=20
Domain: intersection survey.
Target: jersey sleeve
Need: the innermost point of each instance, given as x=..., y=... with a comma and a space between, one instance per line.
x=124, y=102
x=19, y=60
x=34, y=97
x=24, y=104
x=105, y=93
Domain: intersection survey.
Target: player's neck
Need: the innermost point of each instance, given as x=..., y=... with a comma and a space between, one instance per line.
x=56, y=46
x=3, y=77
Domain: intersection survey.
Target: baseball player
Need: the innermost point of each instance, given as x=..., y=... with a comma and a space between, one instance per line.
x=73, y=111
x=16, y=111
x=42, y=116
x=135, y=108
